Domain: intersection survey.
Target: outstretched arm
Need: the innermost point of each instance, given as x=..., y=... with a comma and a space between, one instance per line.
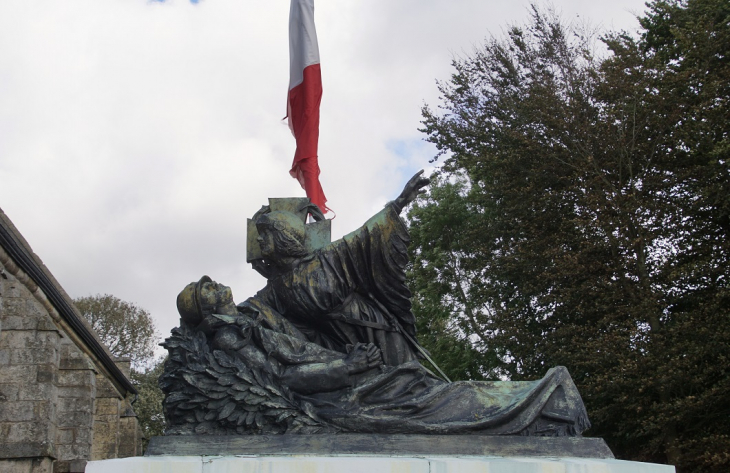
x=414, y=187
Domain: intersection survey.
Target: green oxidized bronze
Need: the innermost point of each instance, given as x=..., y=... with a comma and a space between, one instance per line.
x=329, y=345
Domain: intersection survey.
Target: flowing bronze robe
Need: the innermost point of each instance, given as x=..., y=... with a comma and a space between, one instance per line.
x=408, y=399
x=353, y=290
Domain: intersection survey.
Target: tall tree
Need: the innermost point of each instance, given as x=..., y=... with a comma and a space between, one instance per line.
x=453, y=315
x=125, y=328
x=129, y=331
x=590, y=222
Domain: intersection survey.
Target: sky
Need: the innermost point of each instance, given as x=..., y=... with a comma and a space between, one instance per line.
x=137, y=136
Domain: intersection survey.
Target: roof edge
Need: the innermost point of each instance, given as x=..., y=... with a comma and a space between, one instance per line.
x=19, y=250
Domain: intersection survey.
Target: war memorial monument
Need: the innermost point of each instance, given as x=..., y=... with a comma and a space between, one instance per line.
x=320, y=371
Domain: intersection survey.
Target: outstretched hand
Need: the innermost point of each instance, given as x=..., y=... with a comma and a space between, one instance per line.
x=414, y=188
x=363, y=357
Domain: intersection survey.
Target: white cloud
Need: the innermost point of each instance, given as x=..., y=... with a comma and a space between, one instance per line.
x=136, y=137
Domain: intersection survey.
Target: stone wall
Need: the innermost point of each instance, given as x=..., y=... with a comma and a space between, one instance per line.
x=29, y=359
x=76, y=395
x=63, y=400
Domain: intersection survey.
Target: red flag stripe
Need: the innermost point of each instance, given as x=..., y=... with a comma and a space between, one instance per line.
x=305, y=96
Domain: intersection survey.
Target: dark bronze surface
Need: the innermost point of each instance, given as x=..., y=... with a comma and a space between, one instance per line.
x=329, y=346
x=387, y=445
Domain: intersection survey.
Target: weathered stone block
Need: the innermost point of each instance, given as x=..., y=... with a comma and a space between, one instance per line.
x=105, y=445
x=126, y=410
x=14, y=289
x=75, y=364
x=4, y=355
x=29, y=432
x=73, y=358
x=20, y=323
x=46, y=339
x=61, y=466
x=33, y=356
x=65, y=436
x=9, y=392
x=68, y=404
x=69, y=466
x=129, y=443
x=85, y=391
x=26, y=449
x=124, y=364
x=104, y=388
x=74, y=378
x=105, y=433
x=47, y=373
x=24, y=307
x=18, y=374
x=41, y=465
x=17, y=411
x=78, y=466
x=107, y=406
x=104, y=452
x=26, y=465
x=105, y=428
x=75, y=419
x=45, y=410
x=17, y=306
x=46, y=324
x=36, y=392
x=72, y=452
x=17, y=339
x=83, y=435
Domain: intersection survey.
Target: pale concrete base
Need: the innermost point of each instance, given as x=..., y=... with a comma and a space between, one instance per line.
x=368, y=464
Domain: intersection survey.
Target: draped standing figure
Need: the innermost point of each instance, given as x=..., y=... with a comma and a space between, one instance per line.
x=350, y=291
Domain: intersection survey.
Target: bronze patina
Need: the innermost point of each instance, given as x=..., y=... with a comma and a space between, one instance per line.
x=329, y=345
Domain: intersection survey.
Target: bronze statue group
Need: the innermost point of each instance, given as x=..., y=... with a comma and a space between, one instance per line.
x=329, y=345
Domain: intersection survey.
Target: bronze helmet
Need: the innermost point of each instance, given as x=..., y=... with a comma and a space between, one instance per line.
x=188, y=302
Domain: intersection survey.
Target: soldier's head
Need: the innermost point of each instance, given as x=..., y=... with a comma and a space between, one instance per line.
x=281, y=234
x=202, y=298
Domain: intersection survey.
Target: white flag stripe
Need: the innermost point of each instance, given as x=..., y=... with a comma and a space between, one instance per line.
x=303, y=47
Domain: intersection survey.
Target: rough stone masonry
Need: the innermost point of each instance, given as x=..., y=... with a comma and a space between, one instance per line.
x=64, y=399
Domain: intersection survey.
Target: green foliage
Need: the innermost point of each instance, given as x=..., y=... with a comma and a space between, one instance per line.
x=126, y=329
x=581, y=219
x=452, y=313
x=129, y=332
x=148, y=406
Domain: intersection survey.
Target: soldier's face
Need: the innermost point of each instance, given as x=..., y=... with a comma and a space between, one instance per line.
x=214, y=294
x=266, y=242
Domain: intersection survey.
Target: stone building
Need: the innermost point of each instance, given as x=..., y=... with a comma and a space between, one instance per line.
x=64, y=399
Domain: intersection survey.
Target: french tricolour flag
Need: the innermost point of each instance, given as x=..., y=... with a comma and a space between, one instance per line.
x=305, y=95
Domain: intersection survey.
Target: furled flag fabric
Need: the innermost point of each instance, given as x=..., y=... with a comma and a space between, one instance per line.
x=305, y=95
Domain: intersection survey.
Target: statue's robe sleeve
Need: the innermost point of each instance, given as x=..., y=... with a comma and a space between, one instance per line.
x=372, y=262
x=351, y=291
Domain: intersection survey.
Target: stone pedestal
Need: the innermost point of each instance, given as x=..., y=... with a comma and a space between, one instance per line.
x=370, y=453
x=381, y=445
x=368, y=464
